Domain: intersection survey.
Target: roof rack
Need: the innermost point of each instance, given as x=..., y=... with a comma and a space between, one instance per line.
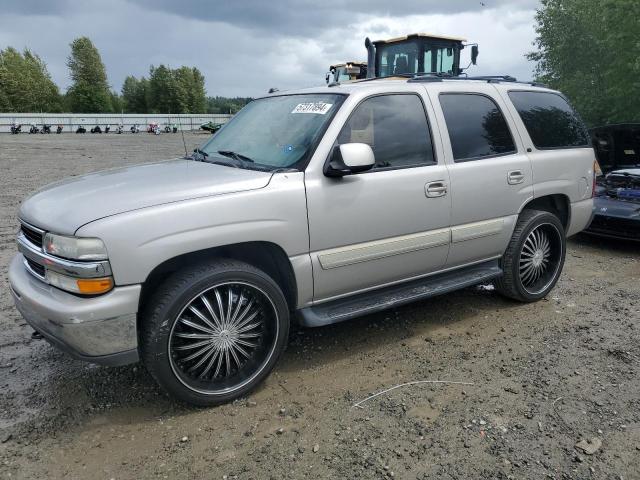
x=386, y=77
x=426, y=77
x=439, y=77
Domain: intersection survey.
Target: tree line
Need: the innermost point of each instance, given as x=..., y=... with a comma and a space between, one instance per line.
x=590, y=51
x=26, y=86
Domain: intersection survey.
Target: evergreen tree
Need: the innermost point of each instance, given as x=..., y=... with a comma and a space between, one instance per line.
x=161, y=90
x=226, y=105
x=117, y=104
x=25, y=83
x=198, y=93
x=90, y=91
x=178, y=90
x=134, y=95
x=590, y=51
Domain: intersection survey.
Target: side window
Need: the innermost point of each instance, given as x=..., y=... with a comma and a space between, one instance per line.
x=476, y=127
x=395, y=127
x=550, y=120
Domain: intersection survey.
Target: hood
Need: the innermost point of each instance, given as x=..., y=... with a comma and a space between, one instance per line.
x=65, y=206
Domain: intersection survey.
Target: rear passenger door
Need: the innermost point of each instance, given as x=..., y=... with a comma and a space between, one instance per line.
x=562, y=158
x=490, y=173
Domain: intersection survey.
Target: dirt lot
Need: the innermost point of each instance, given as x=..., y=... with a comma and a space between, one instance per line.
x=544, y=376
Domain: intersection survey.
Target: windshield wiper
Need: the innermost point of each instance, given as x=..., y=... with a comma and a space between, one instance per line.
x=197, y=152
x=237, y=156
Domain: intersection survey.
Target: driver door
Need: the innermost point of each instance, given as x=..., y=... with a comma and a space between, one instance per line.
x=390, y=223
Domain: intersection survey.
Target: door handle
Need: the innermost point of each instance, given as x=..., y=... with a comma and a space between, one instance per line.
x=435, y=189
x=515, y=177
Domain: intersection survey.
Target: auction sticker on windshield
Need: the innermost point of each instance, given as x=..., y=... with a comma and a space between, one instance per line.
x=313, y=107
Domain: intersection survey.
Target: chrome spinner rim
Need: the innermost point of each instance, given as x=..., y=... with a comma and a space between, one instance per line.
x=223, y=338
x=540, y=258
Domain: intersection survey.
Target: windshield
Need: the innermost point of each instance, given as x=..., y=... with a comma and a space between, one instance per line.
x=422, y=56
x=274, y=132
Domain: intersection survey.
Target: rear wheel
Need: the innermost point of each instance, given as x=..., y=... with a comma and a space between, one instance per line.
x=534, y=258
x=214, y=332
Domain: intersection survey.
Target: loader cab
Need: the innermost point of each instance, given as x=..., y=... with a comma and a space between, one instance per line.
x=416, y=53
x=346, y=72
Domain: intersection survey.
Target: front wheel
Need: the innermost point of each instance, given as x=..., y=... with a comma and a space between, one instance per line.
x=534, y=258
x=214, y=332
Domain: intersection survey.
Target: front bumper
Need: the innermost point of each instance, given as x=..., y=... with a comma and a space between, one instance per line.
x=98, y=329
x=615, y=218
x=615, y=227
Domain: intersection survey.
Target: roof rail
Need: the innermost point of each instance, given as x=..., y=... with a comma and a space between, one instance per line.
x=427, y=77
x=494, y=78
x=438, y=77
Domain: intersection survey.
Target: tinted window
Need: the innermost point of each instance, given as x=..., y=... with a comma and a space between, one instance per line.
x=396, y=128
x=549, y=119
x=476, y=126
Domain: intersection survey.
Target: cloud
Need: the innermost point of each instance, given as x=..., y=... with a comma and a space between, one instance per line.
x=245, y=47
x=304, y=17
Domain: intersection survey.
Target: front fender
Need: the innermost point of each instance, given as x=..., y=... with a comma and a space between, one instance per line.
x=140, y=240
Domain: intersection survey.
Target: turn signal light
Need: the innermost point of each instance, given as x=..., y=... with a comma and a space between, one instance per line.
x=83, y=286
x=94, y=286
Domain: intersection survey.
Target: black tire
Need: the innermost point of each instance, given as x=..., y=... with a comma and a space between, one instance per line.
x=520, y=258
x=166, y=343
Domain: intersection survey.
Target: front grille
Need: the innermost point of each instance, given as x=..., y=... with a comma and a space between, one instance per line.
x=36, y=267
x=619, y=227
x=32, y=235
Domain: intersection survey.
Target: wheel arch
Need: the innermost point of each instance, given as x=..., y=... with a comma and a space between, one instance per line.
x=557, y=204
x=266, y=256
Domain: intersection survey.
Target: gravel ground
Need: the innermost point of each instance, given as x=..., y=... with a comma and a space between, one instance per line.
x=543, y=376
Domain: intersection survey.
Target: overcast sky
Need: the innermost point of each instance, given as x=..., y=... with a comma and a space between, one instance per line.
x=244, y=47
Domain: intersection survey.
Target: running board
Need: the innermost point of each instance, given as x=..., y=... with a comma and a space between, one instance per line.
x=374, y=301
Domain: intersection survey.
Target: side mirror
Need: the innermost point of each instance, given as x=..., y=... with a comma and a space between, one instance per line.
x=349, y=158
x=474, y=54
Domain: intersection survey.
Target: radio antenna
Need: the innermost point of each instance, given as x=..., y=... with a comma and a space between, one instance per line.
x=186, y=154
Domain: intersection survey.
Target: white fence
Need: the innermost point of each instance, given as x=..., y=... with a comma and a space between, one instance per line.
x=70, y=121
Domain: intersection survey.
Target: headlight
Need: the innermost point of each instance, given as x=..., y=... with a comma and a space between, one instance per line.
x=75, y=248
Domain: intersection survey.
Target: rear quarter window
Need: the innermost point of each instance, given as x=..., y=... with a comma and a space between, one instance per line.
x=550, y=120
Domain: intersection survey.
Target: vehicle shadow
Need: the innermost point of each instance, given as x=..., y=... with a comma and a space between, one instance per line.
x=129, y=393
x=85, y=389
x=613, y=245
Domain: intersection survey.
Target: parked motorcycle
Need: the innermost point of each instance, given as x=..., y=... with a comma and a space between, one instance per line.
x=107, y=128
x=174, y=128
x=119, y=128
x=96, y=129
x=46, y=128
x=81, y=129
x=167, y=128
x=16, y=128
x=34, y=128
x=135, y=128
x=151, y=128
x=59, y=129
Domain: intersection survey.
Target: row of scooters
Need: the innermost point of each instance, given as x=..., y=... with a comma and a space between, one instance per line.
x=153, y=127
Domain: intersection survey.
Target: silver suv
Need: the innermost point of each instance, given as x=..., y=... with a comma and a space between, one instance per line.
x=321, y=204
